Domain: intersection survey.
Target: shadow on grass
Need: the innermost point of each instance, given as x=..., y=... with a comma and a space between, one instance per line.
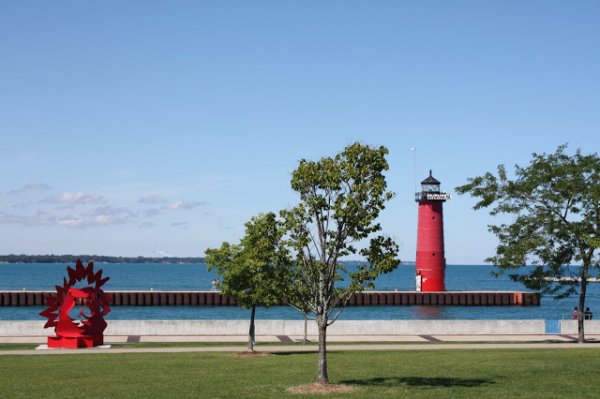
x=308, y=352
x=419, y=382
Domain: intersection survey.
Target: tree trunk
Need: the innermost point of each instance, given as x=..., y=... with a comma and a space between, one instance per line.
x=322, y=376
x=305, y=329
x=251, y=332
x=581, y=312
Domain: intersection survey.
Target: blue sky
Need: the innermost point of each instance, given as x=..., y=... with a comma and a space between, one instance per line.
x=143, y=128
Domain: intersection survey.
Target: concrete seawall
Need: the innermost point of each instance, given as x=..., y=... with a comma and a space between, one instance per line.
x=296, y=327
x=367, y=298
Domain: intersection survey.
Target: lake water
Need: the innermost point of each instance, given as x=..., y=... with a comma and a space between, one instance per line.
x=185, y=277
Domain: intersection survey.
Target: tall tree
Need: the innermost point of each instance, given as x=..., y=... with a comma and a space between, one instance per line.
x=340, y=200
x=555, y=205
x=254, y=272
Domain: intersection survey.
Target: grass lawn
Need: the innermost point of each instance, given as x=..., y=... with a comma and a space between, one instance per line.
x=500, y=373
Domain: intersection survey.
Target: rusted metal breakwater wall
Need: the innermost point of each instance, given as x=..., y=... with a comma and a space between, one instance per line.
x=214, y=298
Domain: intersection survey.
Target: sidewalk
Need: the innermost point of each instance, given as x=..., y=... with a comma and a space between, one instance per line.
x=236, y=343
x=358, y=338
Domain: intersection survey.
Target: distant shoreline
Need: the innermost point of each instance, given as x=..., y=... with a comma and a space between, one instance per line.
x=95, y=259
x=118, y=259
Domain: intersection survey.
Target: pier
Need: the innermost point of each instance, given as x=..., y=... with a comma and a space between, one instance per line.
x=366, y=298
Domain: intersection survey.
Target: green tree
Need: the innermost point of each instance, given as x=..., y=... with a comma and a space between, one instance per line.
x=254, y=272
x=340, y=200
x=555, y=205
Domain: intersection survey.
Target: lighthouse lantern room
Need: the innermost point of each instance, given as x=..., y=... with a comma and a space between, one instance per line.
x=431, y=261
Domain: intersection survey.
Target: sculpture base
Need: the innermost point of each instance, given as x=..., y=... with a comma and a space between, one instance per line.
x=75, y=342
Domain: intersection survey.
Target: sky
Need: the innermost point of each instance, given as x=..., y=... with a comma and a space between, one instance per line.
x=154, y=128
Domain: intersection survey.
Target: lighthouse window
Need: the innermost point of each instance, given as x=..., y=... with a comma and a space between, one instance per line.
x=434, y=254
x=433, y=218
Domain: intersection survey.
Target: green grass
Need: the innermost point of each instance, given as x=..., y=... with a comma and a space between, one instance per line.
x=6, y=347
x=501, y=373
x=13, y=347
x=315, y=344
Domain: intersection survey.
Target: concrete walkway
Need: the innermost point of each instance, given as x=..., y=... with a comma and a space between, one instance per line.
x=236, y=343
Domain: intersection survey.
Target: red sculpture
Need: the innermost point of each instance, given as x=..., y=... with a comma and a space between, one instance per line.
x=75, y=333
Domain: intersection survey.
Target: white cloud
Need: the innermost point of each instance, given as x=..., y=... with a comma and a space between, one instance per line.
x=108, y=219
x=40, y=218
x=151, y=212
x=184, y=205
x=164, y=254
x=45, y=217
x=110, y=210
x=72, y=222
x=153, y=199
x=12, y=218
x=110, y=215
x=104, y=219
x=31, y=187
x=74, y=198
x=95, y=211
x=100, y=216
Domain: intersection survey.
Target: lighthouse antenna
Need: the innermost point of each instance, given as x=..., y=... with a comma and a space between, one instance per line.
x=414, y=150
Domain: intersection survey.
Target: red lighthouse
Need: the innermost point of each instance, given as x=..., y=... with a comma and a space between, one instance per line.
x=431, y=260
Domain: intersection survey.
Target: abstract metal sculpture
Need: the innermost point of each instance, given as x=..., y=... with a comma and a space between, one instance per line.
x=75, y=333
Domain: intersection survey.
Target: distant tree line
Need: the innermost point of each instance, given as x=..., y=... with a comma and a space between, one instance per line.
x=94, y=258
